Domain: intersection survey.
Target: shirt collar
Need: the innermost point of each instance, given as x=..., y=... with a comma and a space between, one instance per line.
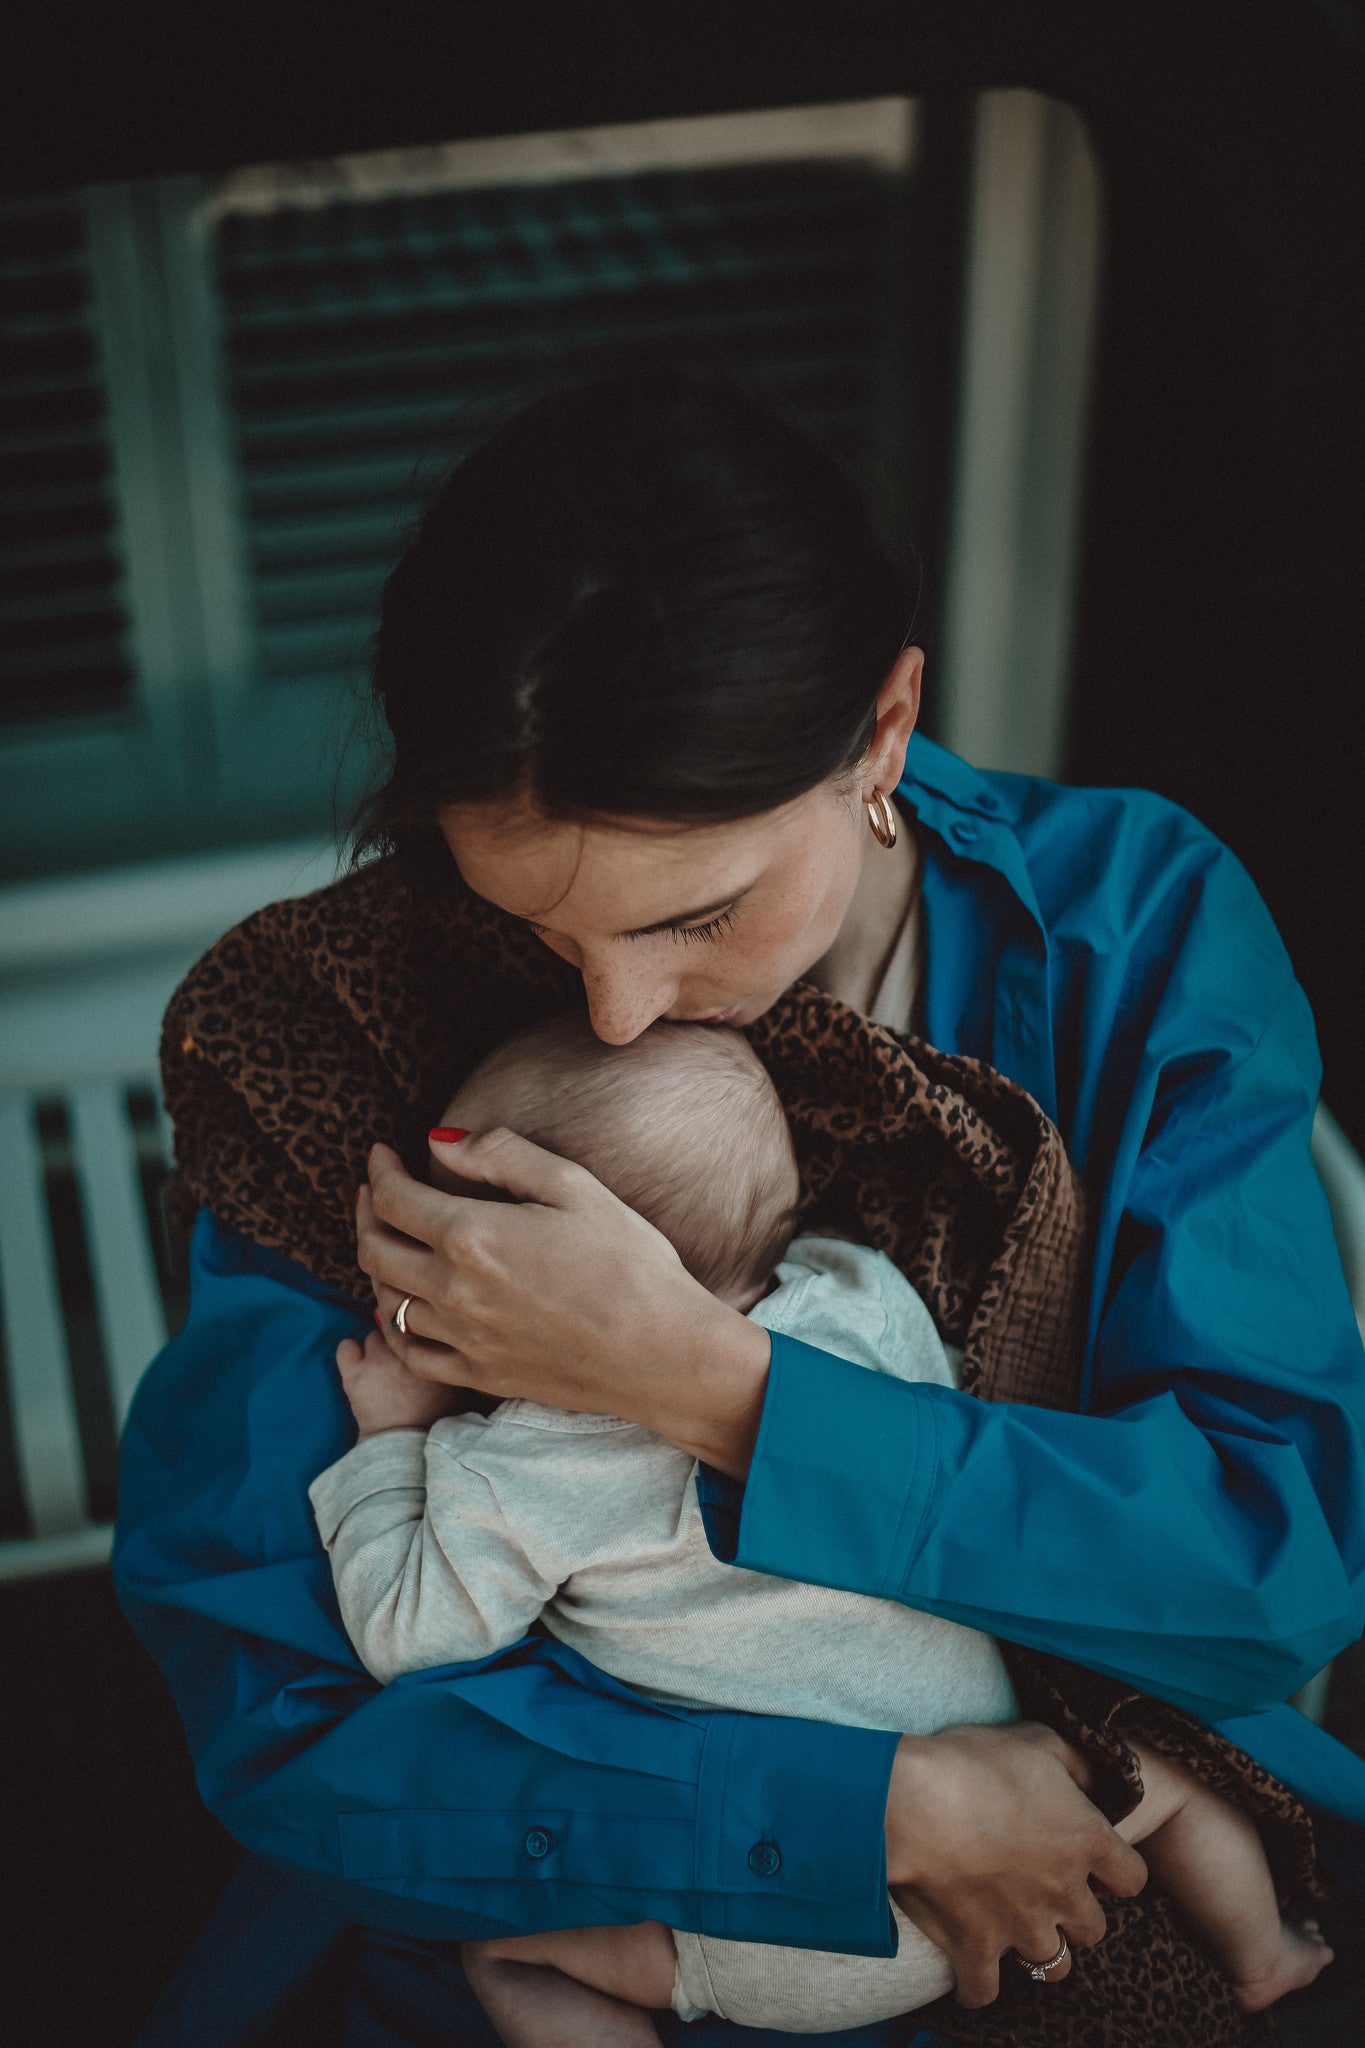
x=971, y=812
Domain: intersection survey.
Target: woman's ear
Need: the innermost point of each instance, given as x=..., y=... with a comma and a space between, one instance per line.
x=897, y=712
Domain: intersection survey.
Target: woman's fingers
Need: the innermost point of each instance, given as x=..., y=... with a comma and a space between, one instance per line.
x=391, y=1256
x=1118, y=1866
x=545, y=1296
x=424, y=1353
x=978, y=1978
x=1042, y=1945
x=1085, y=1925
x=405, y=1204
x=496, y=1158
x=527, y=1172
x=1077, y=1766
x=451, y=1223
x=995, y=1847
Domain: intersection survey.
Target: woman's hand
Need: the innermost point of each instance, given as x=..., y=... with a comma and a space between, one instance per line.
x=991, y=1844
x=563, y=1295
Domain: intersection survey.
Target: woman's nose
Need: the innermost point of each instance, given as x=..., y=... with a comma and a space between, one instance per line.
x=622, y=1004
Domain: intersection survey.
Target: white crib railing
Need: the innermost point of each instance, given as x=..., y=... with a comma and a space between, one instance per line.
x=86, y=969
x=107, y=1159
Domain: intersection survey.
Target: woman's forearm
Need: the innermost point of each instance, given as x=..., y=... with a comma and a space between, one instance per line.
x=707, y=1392
x=1200, y=1532
x=1134, y=1543
x=495, y=1791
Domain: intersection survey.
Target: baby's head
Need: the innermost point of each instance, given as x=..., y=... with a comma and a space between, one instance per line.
x=682, y=1124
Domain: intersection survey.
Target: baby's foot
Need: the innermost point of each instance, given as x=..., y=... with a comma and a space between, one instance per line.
x=1301, y=1953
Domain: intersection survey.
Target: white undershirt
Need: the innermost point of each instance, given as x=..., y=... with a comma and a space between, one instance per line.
x=898, y=997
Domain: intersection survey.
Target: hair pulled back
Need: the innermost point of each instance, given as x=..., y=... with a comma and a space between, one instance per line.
x=647, y=596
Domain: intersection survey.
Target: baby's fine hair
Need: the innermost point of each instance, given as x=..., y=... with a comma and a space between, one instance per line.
x=683, y=1125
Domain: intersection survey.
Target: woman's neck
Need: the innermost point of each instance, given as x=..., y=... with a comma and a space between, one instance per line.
x=853, y=967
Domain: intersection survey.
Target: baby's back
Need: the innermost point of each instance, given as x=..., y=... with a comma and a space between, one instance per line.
x=606, y=1515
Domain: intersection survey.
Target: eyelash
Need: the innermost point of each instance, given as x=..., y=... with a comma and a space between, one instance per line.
x=712, y=929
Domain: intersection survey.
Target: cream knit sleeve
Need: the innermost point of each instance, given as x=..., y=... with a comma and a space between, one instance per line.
x=427, y=1567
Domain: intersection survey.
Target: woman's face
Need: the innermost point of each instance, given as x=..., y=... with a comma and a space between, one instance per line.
x=698, y=922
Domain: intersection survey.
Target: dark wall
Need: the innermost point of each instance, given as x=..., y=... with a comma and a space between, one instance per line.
x=1222, y=615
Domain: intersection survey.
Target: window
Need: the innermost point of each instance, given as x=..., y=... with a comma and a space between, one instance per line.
x=230, y=399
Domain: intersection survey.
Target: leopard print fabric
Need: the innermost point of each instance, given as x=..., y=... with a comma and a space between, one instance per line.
x=1147, y=1985
x=323, y=1024
x=954, y=1172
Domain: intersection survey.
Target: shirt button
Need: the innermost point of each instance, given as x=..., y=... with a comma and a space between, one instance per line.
x=964, y=831
x=765, y=1859
x=538, y=1843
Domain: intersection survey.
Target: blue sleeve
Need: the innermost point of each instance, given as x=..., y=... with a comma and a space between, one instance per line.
x=1200, y=1530
x=521, y=1792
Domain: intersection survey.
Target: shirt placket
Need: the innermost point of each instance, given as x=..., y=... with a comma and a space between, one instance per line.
x=1001, y=961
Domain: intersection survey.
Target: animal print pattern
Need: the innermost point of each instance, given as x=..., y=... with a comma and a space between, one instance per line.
x=950, y=1169
x=323, y=1024
x=1147, y=1985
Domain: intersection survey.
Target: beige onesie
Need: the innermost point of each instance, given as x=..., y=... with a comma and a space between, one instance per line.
x=448, y=1545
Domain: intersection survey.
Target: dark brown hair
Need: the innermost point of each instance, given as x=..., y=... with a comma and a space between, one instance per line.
x=649, y=595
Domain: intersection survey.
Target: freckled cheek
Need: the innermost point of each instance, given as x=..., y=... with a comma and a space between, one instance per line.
x=780, y=948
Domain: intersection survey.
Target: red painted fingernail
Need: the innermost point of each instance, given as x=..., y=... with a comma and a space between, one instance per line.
x=445, y=1135
x=378, y=1320
x=360, y=1191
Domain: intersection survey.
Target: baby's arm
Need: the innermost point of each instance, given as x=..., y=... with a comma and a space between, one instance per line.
x=392, y=1512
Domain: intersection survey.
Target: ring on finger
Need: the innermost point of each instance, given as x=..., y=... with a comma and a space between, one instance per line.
x=399, y=1318
x=1040, y=1972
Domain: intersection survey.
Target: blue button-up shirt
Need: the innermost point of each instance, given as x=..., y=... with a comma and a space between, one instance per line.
x=1198, y=1529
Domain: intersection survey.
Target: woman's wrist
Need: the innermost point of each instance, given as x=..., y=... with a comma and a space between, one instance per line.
x=711, y=1375
x=912, y=1753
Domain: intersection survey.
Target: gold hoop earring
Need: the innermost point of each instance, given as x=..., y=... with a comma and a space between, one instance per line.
x=882, y=819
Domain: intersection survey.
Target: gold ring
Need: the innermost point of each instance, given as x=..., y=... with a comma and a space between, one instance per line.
x=399, y=1318
x=1039, y=1971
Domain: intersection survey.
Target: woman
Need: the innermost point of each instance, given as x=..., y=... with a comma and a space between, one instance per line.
x=652, y=713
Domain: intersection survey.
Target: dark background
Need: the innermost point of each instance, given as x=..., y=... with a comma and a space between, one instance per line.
x=1222, y=601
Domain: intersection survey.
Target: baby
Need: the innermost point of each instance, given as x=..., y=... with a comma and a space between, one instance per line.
x=448, y=1539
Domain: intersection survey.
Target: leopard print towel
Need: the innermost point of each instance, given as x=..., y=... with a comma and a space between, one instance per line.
x=324, y=1024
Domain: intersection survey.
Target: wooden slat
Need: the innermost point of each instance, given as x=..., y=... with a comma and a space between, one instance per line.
x=47, y=1439
x=132, y=1319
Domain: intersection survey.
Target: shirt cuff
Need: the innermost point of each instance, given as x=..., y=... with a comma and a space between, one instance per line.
x=791, y=1834
x=393, y=1458
x=841, y=1476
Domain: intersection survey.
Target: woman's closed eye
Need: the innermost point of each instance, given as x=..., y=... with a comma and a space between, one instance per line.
x=711, y=929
